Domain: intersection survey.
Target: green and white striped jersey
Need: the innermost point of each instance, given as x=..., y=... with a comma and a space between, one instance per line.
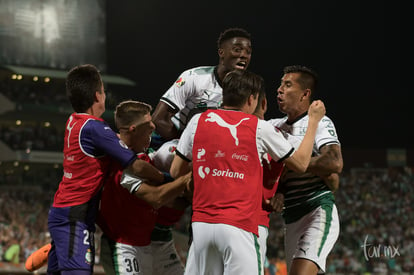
x=305, y=191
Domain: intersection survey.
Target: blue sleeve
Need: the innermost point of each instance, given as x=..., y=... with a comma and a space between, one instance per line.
x=97, y=139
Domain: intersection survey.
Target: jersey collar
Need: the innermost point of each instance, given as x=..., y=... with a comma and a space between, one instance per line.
x=297, y=119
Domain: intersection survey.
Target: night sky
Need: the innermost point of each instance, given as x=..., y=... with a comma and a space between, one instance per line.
x=355, y=48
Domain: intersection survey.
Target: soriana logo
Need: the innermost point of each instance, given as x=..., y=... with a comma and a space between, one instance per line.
x=203, y=171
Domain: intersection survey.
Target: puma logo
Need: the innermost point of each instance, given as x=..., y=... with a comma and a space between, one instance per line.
x=206, y=92
x=303, y=250
x=213, y=117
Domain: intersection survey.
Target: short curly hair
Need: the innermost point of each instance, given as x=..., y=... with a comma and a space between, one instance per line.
x=231, y=33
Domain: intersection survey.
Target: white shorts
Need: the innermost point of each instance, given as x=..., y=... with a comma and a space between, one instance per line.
x=263, y=234
x=166, y=260
x=190, y=266
x=118, y=258
x=313, y=236
x=223, y=249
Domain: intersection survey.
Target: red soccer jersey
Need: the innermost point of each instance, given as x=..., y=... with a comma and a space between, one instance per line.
x=169, y=216
x=271, y=174
x=83, y=174
x=123, y=217
x=226, y=169
x=89, y=146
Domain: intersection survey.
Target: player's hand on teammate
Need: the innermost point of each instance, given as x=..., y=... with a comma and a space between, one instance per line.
x=332, y=181
x=316, y=110
x=277, y=202
x=190, y=184
x=188, y=192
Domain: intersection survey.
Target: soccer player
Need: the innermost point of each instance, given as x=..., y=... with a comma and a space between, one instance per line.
x=310, y=214
x=226, y=147
x=272, y=171
x=166, y=260
x=200, y=88
x=90, y=149
x=127, y=221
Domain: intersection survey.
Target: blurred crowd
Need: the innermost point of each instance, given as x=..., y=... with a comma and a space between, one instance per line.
x=377, y=233
x=32, y=137
x=23, y=220
x=375, y=208
x=42, y=95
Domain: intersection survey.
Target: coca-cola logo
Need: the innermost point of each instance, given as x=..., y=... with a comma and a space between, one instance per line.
x=240, y=157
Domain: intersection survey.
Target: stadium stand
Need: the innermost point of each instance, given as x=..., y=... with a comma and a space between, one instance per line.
x=33, y=115
x=375, y=206
x=374, y=200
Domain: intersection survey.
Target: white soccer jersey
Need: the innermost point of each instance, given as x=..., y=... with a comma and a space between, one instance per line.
x=195, y=91
x=305, y=191
x=163, y=157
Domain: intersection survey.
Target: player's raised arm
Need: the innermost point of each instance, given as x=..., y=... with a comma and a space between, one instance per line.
x=300, y=159
x=162, y=119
